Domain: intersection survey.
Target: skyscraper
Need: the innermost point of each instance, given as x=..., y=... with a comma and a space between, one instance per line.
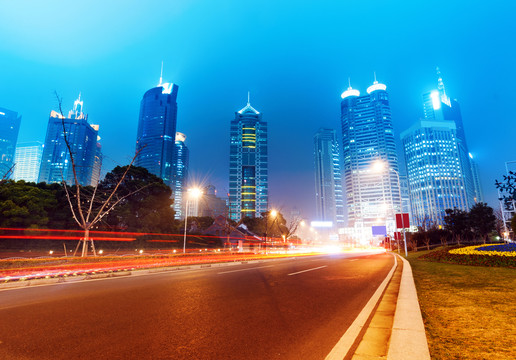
x=9, y=128
x=248, y=164
x=155, y=141
x=328, y=182
x=83, y=139
x=28, y=161
x=435, y=177
x=180, y=177
x=441, y=172
x=437, y=105
x=373, y=197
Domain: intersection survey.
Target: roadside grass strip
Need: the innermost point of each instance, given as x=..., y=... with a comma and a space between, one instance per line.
x=468, y=311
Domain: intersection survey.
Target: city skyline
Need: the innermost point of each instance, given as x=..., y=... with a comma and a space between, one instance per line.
x=294, y=65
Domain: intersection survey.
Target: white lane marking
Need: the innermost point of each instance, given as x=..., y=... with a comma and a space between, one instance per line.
x=256, y=267
x=353, y=260
x=341, y=349
x=299, y=272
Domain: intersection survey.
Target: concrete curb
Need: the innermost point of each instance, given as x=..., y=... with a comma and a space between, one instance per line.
x=408, y=338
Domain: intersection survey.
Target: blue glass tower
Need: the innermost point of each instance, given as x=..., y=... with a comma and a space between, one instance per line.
x=435, y=177
x=83, y=139
x=329, y=204
x=155, y=141
x=9, y=128
x=248, y=164
x=437, y=105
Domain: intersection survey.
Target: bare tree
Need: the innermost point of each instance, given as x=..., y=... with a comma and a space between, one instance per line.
x=84, y=213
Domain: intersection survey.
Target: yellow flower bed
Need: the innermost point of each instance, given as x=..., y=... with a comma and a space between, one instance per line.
x=472, y=250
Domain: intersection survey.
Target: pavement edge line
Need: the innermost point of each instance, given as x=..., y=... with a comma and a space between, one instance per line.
x=347, y=340
x=408, y=337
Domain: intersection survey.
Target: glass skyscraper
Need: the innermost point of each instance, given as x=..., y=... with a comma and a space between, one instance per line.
x=180, y=174
x=437, y=105
x=435, y=177
x=328, y=182
x=83, y=139
x=372, y=195
x=9, y=128
x=28, y=160
x=155, y=141
x=248, y=164
x=440, y=171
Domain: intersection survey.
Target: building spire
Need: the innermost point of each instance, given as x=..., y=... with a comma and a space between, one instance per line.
x=440, y=87
x=349, y=82
x=375, y=81
x=248, y=98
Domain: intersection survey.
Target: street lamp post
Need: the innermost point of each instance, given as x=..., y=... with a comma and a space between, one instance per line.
x=192, y=193
x=272, y=213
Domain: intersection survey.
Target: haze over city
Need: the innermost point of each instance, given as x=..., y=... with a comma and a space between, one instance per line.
x=295, y=59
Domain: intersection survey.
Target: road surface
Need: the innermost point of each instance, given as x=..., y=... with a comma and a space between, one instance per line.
x=295, y=308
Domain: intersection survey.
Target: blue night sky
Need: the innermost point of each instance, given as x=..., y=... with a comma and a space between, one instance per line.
x=294, y=57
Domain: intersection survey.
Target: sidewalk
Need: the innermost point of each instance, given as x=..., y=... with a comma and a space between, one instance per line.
x=395, y=330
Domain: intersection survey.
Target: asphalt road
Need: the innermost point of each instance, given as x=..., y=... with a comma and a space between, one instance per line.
x=281, y=309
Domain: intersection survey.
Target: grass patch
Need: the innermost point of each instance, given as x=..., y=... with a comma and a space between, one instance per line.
x=468, y=311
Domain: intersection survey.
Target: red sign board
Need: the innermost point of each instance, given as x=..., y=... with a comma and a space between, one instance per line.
x=397, y=235
x=402, y=221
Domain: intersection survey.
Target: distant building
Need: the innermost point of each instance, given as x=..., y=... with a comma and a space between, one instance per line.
x=248, y=164
x=328, y=182
x=435, y=177
x=180, y=176
x=9, y=128
x=155, y=140
x=479, y=195
x=372, y=195
x=83, y=138
x=210, y=204
x=28, y=161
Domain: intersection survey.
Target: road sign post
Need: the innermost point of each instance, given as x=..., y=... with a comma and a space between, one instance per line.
x=402, y=222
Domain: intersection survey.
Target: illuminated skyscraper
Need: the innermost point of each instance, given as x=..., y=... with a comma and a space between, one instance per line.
x=28, y=161
x=435, y=177
x=180, y=174
x=156, y=136
x=83, y=139
x=329, y=204
x=373, y=196
x=248, y=163
x=9, y=128
x=438, y=106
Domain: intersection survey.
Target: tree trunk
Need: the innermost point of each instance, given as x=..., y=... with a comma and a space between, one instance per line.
x=85, y=243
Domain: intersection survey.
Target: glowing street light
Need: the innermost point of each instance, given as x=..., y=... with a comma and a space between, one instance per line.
x=193, y=193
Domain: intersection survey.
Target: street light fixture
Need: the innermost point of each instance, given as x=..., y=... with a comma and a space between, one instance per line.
x=193, y=193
